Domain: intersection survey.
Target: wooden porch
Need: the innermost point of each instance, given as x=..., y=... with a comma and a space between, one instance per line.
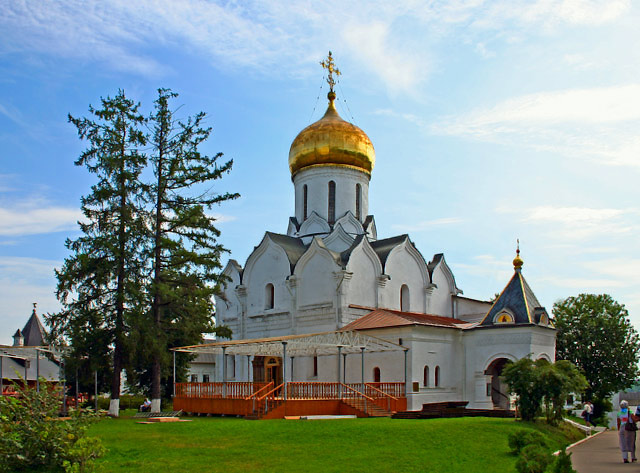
x=293, y=398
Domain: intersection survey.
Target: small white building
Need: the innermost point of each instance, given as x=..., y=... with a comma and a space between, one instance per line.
x=330, y=271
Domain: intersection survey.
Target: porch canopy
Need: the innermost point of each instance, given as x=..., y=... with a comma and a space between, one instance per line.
x=324, y=343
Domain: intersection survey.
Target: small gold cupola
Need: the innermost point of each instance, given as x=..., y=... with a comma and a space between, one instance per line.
x=517, y=261
x=331, y=141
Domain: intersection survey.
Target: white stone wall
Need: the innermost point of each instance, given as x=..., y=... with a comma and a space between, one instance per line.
x=440, y=302
x=365, y=266
x=471, y=310
x=405, y=267
x=317, y=181
x=482, y=346
x=269, y=264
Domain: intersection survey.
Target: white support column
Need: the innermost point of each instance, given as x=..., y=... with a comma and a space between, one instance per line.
x=339, y=385
x=284, y=369
x=344, y=368
x=406, y=389
x=362, y=373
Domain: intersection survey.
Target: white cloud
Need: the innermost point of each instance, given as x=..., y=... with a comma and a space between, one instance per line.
x=597, y=105
x=32, y=218
x=495, y=272
x=23, y=281
x=287, y=35
x=600, y=122
x=222, y=218
x=571, y=223
x=427, y=224
x=582, y=284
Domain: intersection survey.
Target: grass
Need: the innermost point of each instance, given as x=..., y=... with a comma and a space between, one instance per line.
x=373, y=445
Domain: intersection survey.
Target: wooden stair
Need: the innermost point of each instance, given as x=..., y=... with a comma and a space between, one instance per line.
x=372, y=409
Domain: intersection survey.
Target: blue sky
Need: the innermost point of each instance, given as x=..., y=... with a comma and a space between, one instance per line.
x=491, y=120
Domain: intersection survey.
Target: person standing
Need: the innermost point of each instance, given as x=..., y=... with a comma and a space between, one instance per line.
x=588, y=407
x=627, y=435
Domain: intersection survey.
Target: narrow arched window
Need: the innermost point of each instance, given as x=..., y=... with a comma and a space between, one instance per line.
x=358, y=201
x=376, y=375
x=332, y=203
x=315, y=366
x=269, y=296
x=436, y=380
x=425, y=377
x=304, y=201
x=404, y=298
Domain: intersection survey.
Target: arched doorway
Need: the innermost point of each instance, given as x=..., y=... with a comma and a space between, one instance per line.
x=376, y=375
x=267, y=369
x=497, y=388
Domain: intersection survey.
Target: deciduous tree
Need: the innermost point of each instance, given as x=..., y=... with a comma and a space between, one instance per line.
x=594, y=333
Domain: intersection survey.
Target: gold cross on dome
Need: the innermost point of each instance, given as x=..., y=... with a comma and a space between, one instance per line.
x=329, y=65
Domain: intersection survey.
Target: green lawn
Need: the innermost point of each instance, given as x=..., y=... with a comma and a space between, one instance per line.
x=370, y=445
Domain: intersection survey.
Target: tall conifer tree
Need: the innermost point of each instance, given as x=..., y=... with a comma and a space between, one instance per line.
x=183, y=244
x=99, y=284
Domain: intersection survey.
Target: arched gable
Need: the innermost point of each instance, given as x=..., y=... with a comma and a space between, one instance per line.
x=350, y=224
x=369, y=227
x=293, y=227
x=339, y=240
x=313, y=225
x=365, y=266
x=405, y=265
x=315, y=275
x=440, y=301
x=442, y=269
x=227, y=303
x=267, y=264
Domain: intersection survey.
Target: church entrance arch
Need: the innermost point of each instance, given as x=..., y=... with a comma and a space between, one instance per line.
x=497, y=388
x=267, y=369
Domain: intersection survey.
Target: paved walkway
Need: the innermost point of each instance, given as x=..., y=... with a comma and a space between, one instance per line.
x=601, y=455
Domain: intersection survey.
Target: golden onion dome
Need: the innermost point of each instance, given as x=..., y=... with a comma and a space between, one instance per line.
x=517, y=261
x=331, y=141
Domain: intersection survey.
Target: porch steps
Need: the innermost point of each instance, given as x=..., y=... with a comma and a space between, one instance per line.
x=437, y=410
x=372, y=410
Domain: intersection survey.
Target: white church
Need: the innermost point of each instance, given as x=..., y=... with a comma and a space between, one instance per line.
x=330, y=273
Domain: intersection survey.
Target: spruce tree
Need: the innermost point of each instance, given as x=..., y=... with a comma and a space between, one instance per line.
x=99, y=283
x=182, y=245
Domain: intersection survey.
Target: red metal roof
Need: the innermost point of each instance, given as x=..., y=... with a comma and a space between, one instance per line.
x=379, y=318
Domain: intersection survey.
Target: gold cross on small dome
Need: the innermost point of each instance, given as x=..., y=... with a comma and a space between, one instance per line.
x=329, y=65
